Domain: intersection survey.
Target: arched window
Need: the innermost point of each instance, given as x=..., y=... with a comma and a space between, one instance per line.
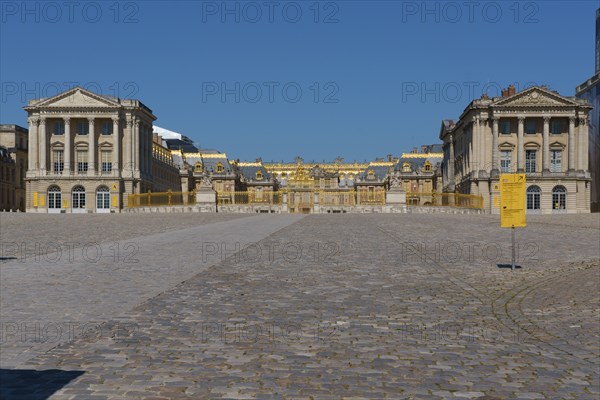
x=533, y=197
x=371, y=174
x=559, y=198
x=78, y=198
x=220, y=167
x=406, y=167
x=198, y=167
x=102, y=199
x=427, y=166
x=54, y=198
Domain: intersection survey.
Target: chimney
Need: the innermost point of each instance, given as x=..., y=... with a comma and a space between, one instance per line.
x=415, y=151
x=424, y=148
x=504, y=92
x=389, y=157
x=511, y=90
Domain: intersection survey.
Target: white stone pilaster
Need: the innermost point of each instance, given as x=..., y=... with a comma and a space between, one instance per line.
x=68, y=146
x=116, y=145
x=92, y=144
x=33, y=156
x=520, y=146
x=546, y=145
x=495, y=145
x=43, y=150
x=571, y=145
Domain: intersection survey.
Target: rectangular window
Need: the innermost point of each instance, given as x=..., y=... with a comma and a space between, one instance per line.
x=556, y=127
x=505, y=126
x=530, y=126
x=59, y=128
x=106, y=159
x=106, y=128
x=555, y=160
x=58, y=161
x=505, y=160
x=530, y=160
x=83, y=128
x=82, y=161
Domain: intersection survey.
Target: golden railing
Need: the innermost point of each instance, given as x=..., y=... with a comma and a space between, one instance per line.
x=376, y=197
x=224, y=198
x=337, y=198
x=444, y=200
x=161, y=199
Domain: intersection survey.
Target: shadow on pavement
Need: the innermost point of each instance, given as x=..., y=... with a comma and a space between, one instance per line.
x=33, y=385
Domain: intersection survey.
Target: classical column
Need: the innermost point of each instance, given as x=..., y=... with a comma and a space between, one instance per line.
x=495, y=146
x=43, y=150
x=585, y=139
x=482, y=157
x=571, y=144
x=581, y=145
x=475, y=160
x=116, y=144
x=68, y=146
x=136, y=145
x=520, y=146
x=33, y=159
x=546, y=145
x=91, y=148
x=127, y=159
x=451, y=164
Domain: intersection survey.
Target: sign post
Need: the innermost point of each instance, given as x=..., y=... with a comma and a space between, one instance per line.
x=512, y=206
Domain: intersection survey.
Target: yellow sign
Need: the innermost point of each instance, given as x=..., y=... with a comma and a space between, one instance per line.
x=115, y=202
x=65, y=203
x=512, y=200
x=35, y=199
x=42, y=200
x=114, y=187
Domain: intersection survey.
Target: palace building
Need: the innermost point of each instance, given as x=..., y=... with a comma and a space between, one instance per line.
x=537, y=132
x=13, y=161
x=88, y=152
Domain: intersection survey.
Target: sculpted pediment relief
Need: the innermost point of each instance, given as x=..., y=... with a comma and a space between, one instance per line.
x=536, y=97
x=78, y=97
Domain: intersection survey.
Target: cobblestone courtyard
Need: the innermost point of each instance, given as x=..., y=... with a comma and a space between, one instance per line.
x=376, y=306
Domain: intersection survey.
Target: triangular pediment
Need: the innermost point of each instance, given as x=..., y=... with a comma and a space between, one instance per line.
x=506, y=145
x=77, y=97
x=535, y=96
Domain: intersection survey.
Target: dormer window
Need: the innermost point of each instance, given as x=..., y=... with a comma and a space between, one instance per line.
x=259, y=175
x=220, y=167
x=371, y=174
x=198, y=167
x=406, y=167
x=427, y=166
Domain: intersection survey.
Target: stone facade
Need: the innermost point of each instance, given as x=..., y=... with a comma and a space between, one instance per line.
x=537, y=132
x=88, y=152
x=14, y=141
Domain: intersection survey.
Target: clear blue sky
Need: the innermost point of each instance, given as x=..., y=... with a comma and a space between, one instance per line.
x=386, y=72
